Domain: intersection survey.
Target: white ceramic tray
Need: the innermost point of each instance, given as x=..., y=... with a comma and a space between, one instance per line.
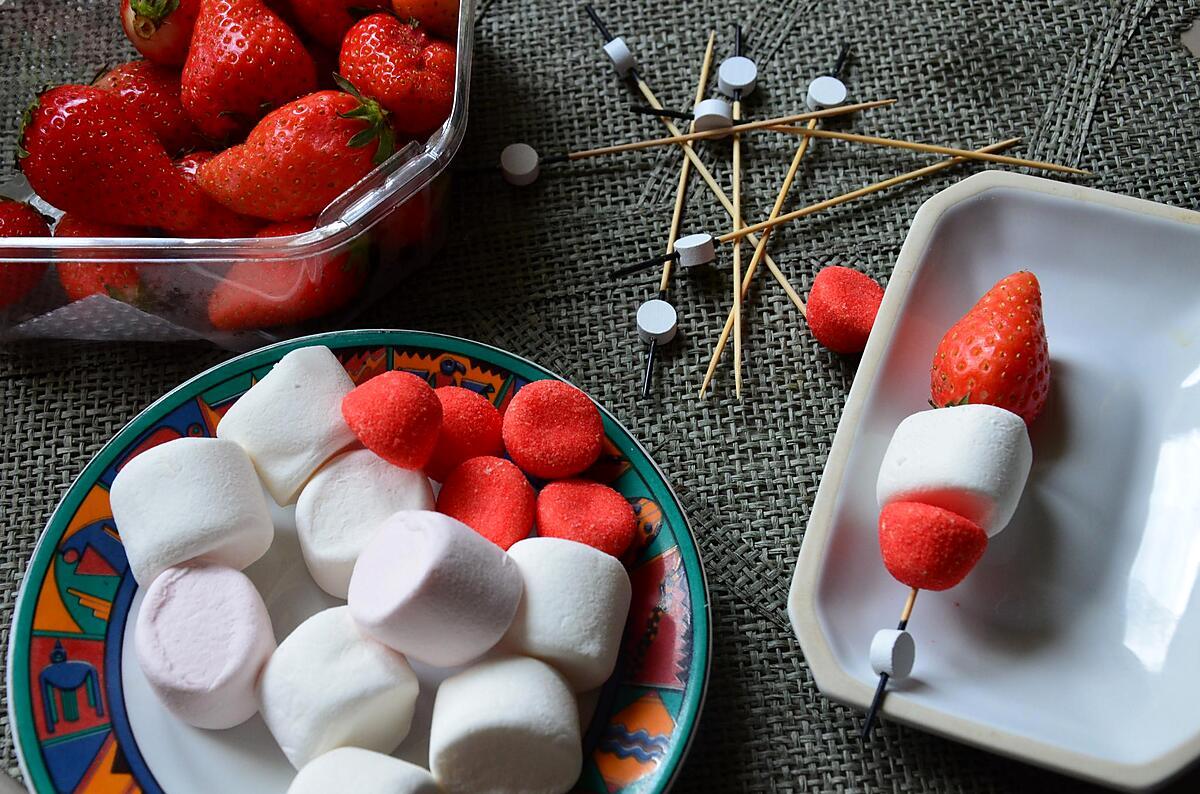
x=1075, y=643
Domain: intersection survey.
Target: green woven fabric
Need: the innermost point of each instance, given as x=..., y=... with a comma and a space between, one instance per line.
x=1106, y=86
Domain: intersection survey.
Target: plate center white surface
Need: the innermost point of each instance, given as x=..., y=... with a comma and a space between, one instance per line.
x=1080, y=627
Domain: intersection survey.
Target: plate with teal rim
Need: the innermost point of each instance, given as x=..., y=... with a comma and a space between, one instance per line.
x=84, y=719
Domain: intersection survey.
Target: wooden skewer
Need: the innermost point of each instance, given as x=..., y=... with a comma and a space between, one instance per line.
x=737, y=255
x=678, y=137
x=877, y=700
x=862, y=191
x=685, y=169
x=915, y=146
x=814, y=208
x=760, y=250
x=719, y=192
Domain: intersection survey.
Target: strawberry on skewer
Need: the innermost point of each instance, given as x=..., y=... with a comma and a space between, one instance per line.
x=953, y=476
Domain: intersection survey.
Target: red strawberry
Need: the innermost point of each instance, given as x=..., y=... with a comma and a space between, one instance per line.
x=327, y=21
x=118, y=280
x=244, y=60
x=217, y=221
x=83, y=152
x=266, y=293
x=300, y=157
x=440, y=16
x=160, y=29
x=996, y=354
x=18, y=278
x=153, y=91
x=398, y=64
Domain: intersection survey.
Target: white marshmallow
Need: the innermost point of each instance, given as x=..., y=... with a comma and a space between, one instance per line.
x=695, y=249
x=189, y=499
x=329, y=686
x=712, y=114
x=621, y=56
x=969, y=459
x=893, y=652
x=825, y=92
x=508, y=725
x=738, y=73
x=352, y=769
x=573, y=611
x=290, y=422
x=344, y=503
x=657, y=321
x=202, y=636
x=520, y=164
x=431, y=587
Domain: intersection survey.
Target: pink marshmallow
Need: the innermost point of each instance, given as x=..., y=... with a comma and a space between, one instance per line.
x=202, y=636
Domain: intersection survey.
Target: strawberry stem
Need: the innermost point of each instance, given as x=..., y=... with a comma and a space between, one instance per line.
x=379, y=127
x=149, y=14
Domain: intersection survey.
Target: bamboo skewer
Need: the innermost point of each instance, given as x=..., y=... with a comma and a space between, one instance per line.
x=877, y=700
x=930, y=148
x=862, y=191
x=760, y=250
x=767, y=226
x=685, y=168
x=678, y=137
x=737, y=254
x=719, y=192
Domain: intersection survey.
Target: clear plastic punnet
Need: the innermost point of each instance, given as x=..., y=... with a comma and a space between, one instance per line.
x=388, y=225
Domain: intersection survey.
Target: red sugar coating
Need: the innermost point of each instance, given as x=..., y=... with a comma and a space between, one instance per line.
x=586, y=512
x=470, y=428
x=928, y=547
x=397, y=416
x=492, y=497
x=842, y=305
x=552, y=430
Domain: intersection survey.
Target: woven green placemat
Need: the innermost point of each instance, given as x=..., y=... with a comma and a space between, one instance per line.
x=1106, y=86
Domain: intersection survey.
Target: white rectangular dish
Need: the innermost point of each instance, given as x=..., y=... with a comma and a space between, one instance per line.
x=1074, y=643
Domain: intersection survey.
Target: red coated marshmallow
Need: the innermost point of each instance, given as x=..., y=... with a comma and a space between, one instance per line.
x=470, y=428
x=552, y=430
x=586, y=512
x=397, y=416
x=492, y=497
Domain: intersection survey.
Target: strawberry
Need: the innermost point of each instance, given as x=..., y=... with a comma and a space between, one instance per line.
x=160, y=29
x=300, y=157
x=327, y=21
x=398, y=64
x=18, y=219
x=217, y=221
x=996, y=354
x=119, y=280
x=153, y=91
x=83, y=152
x=440, y=16
x=243, y=62
x=266, y=293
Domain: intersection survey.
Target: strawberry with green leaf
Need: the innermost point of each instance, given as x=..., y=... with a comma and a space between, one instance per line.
x=160, y=29
x=301, y=156
x=997, y=353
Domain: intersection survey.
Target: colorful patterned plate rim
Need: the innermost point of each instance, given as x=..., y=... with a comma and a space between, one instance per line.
x=67, y=700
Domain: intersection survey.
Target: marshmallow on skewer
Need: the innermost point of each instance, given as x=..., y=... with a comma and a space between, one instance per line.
x=353, y=769
x=203, y=634
x=657, y=321
x=343, y=505
x=825, y=92
x=290, y=422
x=893, y=653
x=189, y=499
x=695, y=249
x=712, y=114
x=621, y=56
x=573, y=610
x=508, y=725
x=520, y=164
x=433, y=588
x=972, y=460
x=329, y=686
x=735, y=74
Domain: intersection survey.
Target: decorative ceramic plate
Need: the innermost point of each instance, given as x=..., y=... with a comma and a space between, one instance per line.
x=85, y=720
x=1074, y=643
